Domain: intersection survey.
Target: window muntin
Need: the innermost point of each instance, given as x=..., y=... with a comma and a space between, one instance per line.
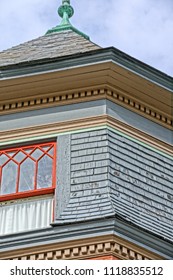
x=27, y=171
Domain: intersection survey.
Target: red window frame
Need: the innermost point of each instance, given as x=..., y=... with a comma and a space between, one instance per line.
x=35, y=192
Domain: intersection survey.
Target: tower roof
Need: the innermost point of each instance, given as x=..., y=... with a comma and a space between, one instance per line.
x=58, y=44
x=59, y=41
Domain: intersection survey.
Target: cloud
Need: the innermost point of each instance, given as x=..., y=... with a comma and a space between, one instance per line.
x=23, y=20
x=141, y=28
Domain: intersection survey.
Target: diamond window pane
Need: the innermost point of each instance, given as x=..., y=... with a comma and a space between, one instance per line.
x=44, y=176
x=45, y=148
x=11, y=154
x=37, y=154
x=9, y=178
x=51, y=152
x=28, y=151
x=27, y=174
x=19, y=156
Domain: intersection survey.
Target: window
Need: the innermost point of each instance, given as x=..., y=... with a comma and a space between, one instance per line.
x=27, y=183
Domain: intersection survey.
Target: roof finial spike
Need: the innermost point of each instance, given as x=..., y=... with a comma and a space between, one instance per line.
x=65, y=11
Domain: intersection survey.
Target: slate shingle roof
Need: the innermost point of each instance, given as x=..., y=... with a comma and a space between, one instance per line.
x=113, y=176
x=48, y=46
x=141, y=185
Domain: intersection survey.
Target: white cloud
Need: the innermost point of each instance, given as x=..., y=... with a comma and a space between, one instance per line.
x=141, y=28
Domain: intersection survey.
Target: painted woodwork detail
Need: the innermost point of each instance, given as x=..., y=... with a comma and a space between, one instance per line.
x=53, y=129
x=108, y=249
x=88, y=95
x=27, y=171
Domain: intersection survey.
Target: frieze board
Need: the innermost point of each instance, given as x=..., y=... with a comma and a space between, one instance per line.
x=88, y=248
x=64, y=98
x=54, y=129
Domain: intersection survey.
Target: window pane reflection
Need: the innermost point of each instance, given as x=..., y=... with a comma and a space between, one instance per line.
x=37, y=154
x=3, y=159
x=19, y=156
x=27, y=172
x=44, y=177
x=9, y=178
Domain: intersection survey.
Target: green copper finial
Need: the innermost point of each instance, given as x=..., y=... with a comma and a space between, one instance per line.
x=66, y=11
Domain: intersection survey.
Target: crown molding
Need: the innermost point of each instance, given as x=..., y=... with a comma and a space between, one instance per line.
x=65, y=98
x=85, y=240
x=88, y=248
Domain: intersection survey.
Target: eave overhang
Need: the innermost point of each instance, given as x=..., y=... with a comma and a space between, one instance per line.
x=42, y=240
x=91, y=57
x=128, y=80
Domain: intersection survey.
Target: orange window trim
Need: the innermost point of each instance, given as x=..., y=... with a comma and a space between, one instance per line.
x=11, y=157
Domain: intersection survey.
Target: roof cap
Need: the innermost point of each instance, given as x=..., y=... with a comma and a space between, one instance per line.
x=66, y=11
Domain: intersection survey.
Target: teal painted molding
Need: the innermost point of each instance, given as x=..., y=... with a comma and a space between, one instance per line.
x=67, y=27
x=50, y=136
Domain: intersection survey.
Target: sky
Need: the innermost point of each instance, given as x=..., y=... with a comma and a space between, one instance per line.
x=141, y=28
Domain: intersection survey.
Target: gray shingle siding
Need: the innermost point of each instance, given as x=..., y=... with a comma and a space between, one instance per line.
x=63, y=174
x=110, y=175
x=141, y=185
x=89, y=197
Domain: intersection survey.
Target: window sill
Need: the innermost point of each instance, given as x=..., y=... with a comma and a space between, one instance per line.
x=26, y=194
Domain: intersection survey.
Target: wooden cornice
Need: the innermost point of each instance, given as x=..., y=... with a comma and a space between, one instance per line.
x=83, y=249
x=90, y=95
x=82, y=84
x=53, y=129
